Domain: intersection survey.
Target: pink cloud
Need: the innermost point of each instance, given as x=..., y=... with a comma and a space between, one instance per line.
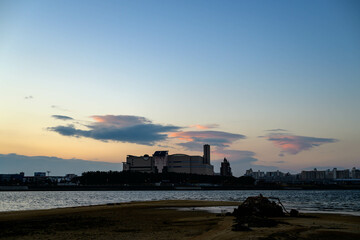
x=293, y=144
x=195, y=139
x=207, y=126
x=120, y=120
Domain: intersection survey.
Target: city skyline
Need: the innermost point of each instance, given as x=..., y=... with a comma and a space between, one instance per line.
x=269, y=85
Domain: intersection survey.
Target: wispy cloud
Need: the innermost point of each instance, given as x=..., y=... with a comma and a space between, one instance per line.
x=59, y=108
x=62, y=117
x=28, y=97
x=121, y=128
x=207, y=126
x=276, y=130
x=195, y=139
x=293, y=144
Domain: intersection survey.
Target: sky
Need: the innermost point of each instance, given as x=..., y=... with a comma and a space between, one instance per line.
x=268, y=84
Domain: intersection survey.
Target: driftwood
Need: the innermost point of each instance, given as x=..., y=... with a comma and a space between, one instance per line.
x=279, y=202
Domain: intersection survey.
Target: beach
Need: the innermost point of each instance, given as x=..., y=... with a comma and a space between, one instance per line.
x=161, y=220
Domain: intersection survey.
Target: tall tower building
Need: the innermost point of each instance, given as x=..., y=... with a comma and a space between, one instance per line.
x=207, y=154
x=225, y=169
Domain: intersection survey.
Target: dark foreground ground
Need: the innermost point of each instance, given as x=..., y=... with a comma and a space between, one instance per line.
x=152, y=220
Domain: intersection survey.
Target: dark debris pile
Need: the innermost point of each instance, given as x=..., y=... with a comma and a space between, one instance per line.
x=256, y=212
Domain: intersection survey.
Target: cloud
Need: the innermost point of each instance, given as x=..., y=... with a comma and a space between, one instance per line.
x=292, y=144
x=120, y=120
x=70, y=130
x=62, y=117
x=120, y=128
x=207, y=126
x=164, y=146
x=280, y=162
x=29, y=97
x=195, y=139
x=277, y=130
x=59, y=108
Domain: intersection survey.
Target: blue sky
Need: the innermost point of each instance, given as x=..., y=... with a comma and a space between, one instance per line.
x=246, y=66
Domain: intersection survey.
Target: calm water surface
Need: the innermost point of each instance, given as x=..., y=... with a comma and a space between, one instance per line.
x=332, y=201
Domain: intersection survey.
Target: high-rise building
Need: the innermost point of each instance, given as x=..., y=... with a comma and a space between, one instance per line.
x=225, y=169
x=206, y=154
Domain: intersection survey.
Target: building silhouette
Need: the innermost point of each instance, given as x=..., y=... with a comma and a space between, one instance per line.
x=160, y=162
x=206, y=157
x=225, y=169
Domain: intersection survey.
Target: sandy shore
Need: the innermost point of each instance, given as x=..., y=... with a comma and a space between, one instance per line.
x=149, y=220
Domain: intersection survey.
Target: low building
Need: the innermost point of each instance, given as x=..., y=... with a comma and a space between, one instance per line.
x=355, y=173
x=182, y=163
x=179, y=163
x=11, y=178
x=39, y=174
x=256, y=175
x=70, y=176
x=139, y=164
x=275, y=174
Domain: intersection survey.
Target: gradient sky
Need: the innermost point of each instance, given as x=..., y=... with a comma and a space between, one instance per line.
x=268, y=84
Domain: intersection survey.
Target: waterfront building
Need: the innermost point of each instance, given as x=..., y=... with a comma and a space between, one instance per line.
x=341, y=174
x=206, y=157
x=182, y=163
x=355, y=173
x=327, y=175
x=160, y=161
x=315, y=175
x=8, y=178
x=69, y=177
x=256, y=175
x=179, y=163
x=39, y=174
x=225, y=169
x=275, y=174
x=139, y=164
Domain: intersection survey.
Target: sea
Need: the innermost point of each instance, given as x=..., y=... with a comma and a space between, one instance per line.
x=319, y=201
